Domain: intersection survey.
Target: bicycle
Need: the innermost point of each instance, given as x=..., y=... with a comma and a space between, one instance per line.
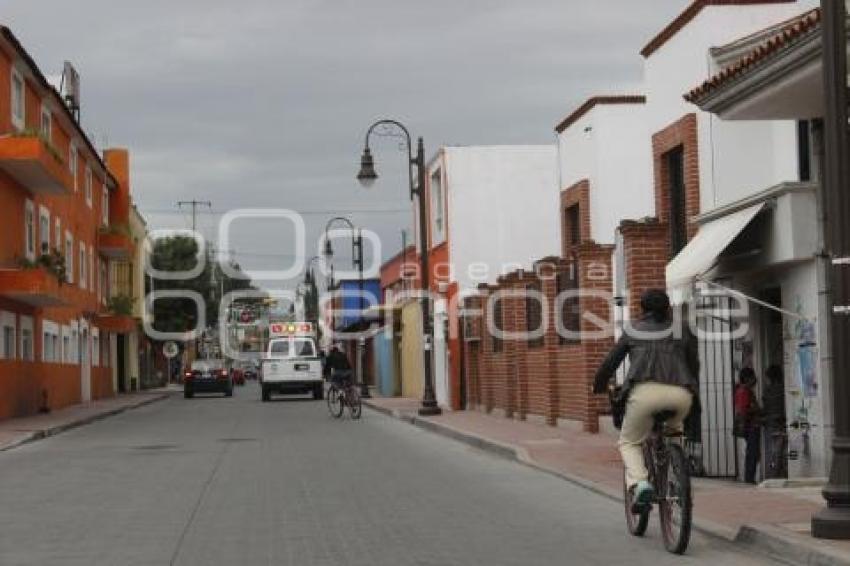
x=669, y=475
x=342, y=393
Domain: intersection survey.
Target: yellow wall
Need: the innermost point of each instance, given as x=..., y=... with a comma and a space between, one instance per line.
x=411, y=351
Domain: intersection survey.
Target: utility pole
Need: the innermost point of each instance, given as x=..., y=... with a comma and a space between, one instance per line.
x=833, y=521
x=194, y=204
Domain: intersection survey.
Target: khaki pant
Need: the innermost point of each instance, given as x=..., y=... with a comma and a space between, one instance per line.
x=645, y=400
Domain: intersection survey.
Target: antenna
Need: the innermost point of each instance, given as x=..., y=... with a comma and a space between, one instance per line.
x=70, y=88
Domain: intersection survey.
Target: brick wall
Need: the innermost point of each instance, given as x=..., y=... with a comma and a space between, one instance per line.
x=550, y=379
x=682, y=133
x=577, y=194
x=646, y=247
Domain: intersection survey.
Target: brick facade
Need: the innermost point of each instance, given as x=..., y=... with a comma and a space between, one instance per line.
x=549, y=379
x=682, y=133
x=577, y=194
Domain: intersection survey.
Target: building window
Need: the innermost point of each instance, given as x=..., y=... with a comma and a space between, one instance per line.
x=46, y=124
x=44, y=230
x=83, y=262
x=67, y=356
x=678, y=221
x=27, y=353
x=73, y=159
x=95, y=348
x=57, y=234
x=7, y=335
x=804, y=152
x=534, y=315
x=29, y=230
x=498, y=324
x=18, y=100
x=570, y=325
x=438, y=225
x=69, y=257
x=89, y=182
x=51, y=352
x=104, y=290
x=572, y=224
x=104, y=206
x=91, y=270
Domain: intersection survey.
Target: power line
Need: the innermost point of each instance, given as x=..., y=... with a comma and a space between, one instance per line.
x=304, y=212
x=194, y=204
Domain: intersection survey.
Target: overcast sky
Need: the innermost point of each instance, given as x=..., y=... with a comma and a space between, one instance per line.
x=264, y=103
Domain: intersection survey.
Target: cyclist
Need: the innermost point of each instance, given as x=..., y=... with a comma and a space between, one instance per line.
x=662, y=377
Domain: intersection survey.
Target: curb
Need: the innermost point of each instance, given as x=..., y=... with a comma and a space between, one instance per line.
x=765, y=539
x=60, y=428
x=790, y=547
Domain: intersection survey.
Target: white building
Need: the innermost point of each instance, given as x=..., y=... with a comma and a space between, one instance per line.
x=741, y=212
x=492, y=210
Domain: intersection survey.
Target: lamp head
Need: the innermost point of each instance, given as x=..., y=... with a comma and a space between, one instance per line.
x=367, y=174
x=329, y=251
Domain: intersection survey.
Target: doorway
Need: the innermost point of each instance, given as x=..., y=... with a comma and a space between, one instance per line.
x=772, y=387
x=85, y=365
x=120, y=366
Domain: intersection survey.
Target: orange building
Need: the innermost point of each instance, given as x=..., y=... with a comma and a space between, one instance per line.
x=64, y=211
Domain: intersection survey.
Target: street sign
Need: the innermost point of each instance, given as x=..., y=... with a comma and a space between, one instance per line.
x=170, y=349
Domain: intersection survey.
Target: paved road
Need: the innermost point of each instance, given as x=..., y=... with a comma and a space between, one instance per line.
x=235, y=481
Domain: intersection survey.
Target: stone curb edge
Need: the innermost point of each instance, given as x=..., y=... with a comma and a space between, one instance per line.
x=59, y=429
x=763, y=538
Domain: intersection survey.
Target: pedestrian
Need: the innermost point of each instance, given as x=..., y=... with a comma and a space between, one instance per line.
x=745, y=421
x=773, y=409
x=662, y=376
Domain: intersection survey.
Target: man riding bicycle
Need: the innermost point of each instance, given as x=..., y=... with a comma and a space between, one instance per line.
x=662, y=377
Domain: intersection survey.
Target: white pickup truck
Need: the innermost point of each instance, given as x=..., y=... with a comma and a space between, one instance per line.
x=291, y=365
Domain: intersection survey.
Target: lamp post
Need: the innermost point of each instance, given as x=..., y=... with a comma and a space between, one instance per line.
x=357, y=261
x=367, y=176
x=833, y=522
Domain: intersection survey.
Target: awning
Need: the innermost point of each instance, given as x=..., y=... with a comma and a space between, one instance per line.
x=702, y=251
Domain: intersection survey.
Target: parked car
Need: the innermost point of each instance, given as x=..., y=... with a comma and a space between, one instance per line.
x=207, y=376
x=248, y=368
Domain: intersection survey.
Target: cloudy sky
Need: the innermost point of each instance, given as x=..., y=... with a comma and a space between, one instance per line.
x=264, y=103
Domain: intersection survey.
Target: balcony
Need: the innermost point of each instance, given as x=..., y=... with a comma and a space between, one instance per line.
x=116, y=323
x=36, y=287
x=35, y=165
x=114, y=244
x=117, y=317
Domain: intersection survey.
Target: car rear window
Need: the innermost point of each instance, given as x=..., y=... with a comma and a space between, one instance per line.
x=304, y=348
x=281, y=347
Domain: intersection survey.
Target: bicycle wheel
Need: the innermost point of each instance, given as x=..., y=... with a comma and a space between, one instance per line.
x=675, y=503
x=637, y=519
x=354, y=404
x=335, y=405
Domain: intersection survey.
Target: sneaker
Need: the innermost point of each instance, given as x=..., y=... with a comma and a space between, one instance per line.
x=644, y=493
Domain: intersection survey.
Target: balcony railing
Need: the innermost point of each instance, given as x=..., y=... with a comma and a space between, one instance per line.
x=34, y=286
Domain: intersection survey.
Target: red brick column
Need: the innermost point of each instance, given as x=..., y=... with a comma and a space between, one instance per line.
x=595, y=265
x=647, y=250
x=510, y=347
x=547, y=386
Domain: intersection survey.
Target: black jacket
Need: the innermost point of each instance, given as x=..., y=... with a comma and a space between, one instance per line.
x=661, y=358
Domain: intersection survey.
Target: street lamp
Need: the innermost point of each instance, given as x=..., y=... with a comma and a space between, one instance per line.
x=357, y=261
x=367, y=177
x=833, y=521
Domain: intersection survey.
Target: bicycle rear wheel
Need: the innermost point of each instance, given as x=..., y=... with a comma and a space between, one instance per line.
x=335, y=406
x=354, y=404
x=675, y=501
x=637, y=519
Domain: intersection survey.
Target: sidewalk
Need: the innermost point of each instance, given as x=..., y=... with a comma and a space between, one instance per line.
x=15, y=432
x=776, y=520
